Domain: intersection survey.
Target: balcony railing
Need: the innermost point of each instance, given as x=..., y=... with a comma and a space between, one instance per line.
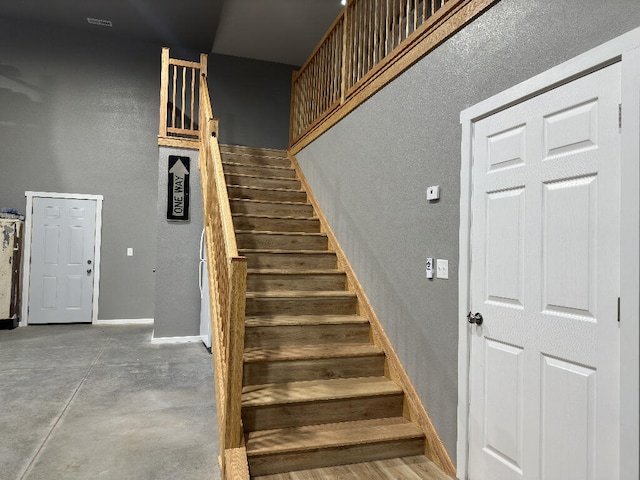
x=370, y=43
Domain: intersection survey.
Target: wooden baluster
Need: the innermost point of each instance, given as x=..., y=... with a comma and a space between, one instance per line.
x=362, y=38
x=407, y=16
x=381, y=30
x=393, y=24
x=387, y=25
x=184, y=92
x=193, y=96
x=173, y=107
x=345, y=55
x=326, y=87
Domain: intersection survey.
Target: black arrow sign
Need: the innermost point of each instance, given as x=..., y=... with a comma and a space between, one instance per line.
x=178, y=192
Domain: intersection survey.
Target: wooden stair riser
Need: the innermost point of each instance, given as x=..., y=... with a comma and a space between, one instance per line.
x=291, y=260
x=257, y=373
x=276, y=224
x=264, y=182
x=266, y=194
x=263, y=282
x=280, y=209
x=257, y=305
x=276, y=241
x=317, y=413
x=306, y=334
x=260, y=161
x=259, y=171
x=316, y=458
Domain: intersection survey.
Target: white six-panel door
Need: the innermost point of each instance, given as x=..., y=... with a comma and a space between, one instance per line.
x=545, y=263
x=62, y=260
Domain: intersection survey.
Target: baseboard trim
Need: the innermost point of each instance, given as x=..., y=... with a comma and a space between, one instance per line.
x=125, y=321
x=167, y=340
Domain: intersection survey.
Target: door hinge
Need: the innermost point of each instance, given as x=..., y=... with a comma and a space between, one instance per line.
x=618, y=309
x=619, y=115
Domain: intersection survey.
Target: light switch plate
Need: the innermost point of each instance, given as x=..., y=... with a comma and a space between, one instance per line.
x=442, y=268
x=129, y=252
x=433, y=192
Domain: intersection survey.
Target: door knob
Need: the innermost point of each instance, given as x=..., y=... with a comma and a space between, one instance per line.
x=475, y=318
x=88, y=271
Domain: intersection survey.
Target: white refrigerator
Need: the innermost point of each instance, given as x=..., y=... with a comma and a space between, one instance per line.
x=205, y=318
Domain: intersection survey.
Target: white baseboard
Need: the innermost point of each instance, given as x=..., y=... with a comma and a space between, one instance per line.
x=125, y=321
x=189, y=339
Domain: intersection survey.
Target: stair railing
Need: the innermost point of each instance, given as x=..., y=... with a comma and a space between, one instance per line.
x=365, y=41
x=227, y=287
x=186, y=120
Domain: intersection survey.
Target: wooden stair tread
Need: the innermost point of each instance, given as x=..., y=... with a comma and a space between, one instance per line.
x=290, y=234
x=226, y=148
x=239, y=164
x=243, y=251
x=268, y=202
x=261, y=189
x=234, y=174
x=317, y=390
x=417, y=467
x=289, y=271
x=307, y=352
x=293, y=320
x=272, y=217
x=334, y=435
x=301, y=294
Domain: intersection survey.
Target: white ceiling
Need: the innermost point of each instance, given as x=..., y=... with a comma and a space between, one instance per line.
x=284, y=31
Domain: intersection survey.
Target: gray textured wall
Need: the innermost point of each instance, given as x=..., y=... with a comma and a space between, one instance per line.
x=79, y=114
x=370, y=172
x=251, y=98
x=177, y=298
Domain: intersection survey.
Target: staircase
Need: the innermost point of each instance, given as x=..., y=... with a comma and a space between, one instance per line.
x=316, y=402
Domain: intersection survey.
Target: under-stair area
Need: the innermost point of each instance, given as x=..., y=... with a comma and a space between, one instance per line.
x=316, y=402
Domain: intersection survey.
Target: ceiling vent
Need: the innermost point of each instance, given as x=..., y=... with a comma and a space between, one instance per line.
x=98, y=21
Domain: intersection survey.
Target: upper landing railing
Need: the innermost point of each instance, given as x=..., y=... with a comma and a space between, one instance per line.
x=180, y=96
x=369, y=44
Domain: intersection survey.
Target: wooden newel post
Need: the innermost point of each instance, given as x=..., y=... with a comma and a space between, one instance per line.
x=235, y=351
x=164, y=92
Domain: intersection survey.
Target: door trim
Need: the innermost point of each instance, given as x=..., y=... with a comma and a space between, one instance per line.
x=26, y=261
x=625, y=49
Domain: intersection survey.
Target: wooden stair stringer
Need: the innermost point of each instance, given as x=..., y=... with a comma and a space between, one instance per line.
x=414, y=409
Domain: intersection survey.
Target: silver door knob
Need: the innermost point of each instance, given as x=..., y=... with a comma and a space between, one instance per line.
x=475, y=318
x=89, y=271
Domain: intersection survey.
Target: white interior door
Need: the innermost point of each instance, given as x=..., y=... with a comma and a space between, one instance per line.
x=62, y=260
x=545, y=263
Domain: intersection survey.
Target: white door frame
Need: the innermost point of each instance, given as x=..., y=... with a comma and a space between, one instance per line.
x=26, y=261
x=625, y=49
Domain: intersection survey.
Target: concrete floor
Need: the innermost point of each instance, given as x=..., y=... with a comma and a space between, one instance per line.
x=102, y=402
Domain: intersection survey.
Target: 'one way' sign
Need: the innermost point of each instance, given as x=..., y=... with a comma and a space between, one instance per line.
x=178, y=194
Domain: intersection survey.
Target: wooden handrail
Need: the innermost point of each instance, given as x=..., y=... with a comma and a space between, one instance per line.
x=186, y=116
x=378, y=40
